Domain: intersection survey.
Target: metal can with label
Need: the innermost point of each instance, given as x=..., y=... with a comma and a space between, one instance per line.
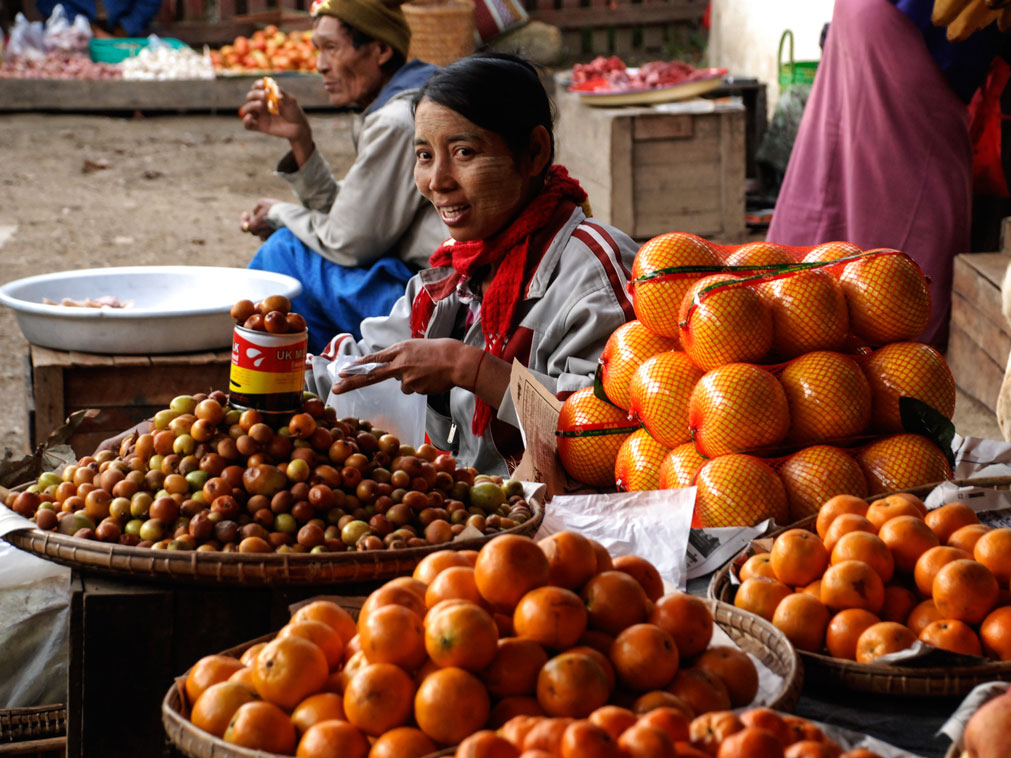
x=268, y=371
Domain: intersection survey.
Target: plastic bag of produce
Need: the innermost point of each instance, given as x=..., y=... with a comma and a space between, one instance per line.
x=27, y=39
x=62, y=35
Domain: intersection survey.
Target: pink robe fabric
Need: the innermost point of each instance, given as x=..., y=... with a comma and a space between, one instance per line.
x=882, y=157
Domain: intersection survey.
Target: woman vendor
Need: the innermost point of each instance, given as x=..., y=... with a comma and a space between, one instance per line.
x=525, y=276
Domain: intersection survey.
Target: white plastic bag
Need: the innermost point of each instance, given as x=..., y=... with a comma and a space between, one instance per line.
x=63, y=36
x=27, y=39
x=383, y=404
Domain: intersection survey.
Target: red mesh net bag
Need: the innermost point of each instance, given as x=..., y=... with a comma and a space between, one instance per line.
x=589, y=434
x=808, y=313
x=902, y=461
x=759, y=254
x=627, y=347
x=659, y=393
x=814, y=474
x=908, y=369
x=738, y=490
x=828, y=397
x=737, y=407
x=637, y=466
x=831, y=251
x=724, y=319
x=679, y=467
x=664, y=268
x=887, y=297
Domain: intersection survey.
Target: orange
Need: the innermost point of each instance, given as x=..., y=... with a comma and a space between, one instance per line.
x=330, y=613
x=953, y=635
x=572, y=685
x=831, y=251
x=928, y=564
x=702, y=690
x=393, y=634
x=262, y=726
x=866, y=547
x=993, y=550
x=209, y=670
x=901, y=462
x=589, y=457
x=759, y=253
x=333, y=737
x=908, y=369
x=243, y=676
x=734, y=668
x=887, y=297
x=546, y=736
x=288, y=670
x=250, y=653
x=852, y=584
x=451, y=704
x=571, y=558
x=614, y=600
x=899, y=603
x=645, y=657
x=508, y=707
x=378, y=698
x=768, y=719
x=626, y=349
x=650, y=701
x=604, y=562
x=909, y=497
x=645, y=741
x=686, y=619
x=319, y=707
x=798, y=557
x=322, y=634
x=392, y=594
x=217, y=704
x=723, y=320
x=659, y=393
x=613, y=719
x=836, y=506
x=354, y=664
x=486, y=744
x=513, y=670
x=454, y=582
x=738, y=490
x=463, y=635
x=812, y=749
x=844, y=629
x=507, y=568
x=828, y=397
x=671, y=721
x=643, y=572
x=845, y=523
x=803, y=619
x=759, y=564
x=402, y=742
x=947, y=519
x=922, y=615
x=995, y=631
x=679, y=467
x=429, y=566
x=750, y=742
x=886, y=508
x=582, y=739
x=708, y=731
x=808, y=313
x=637, y=465
x=760, y=596
x=883, y=638
x=813, y=589
x=735, y=408
x=965, y=590
x=966, y=537
x=802, y=730
x=601, y=658
x=908, y=537
x=814, y=474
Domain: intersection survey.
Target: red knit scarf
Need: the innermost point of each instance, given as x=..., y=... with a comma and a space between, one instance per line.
x=511, y=250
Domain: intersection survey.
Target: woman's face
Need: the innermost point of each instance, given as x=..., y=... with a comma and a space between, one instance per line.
x=468, y=173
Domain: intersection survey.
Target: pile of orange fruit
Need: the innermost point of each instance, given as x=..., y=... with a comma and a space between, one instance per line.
x=554, y=629
x=873, y=578
x=768, y=376
x=664, y=732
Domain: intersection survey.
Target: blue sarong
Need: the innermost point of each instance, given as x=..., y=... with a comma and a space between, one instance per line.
x=334, y=298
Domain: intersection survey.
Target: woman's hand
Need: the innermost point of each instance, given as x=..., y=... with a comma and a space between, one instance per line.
x=255, y=221
x=290, y=122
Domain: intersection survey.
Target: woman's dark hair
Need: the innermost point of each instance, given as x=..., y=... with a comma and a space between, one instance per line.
x=497, y=91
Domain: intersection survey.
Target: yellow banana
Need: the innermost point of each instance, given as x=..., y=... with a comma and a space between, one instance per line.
x=945, y=11
x=972, y=18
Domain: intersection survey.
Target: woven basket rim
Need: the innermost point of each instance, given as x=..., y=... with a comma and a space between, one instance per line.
x=246, y=569
x=26, y=723
x=912, y=680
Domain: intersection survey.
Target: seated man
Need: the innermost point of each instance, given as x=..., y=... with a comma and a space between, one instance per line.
x=352, y=243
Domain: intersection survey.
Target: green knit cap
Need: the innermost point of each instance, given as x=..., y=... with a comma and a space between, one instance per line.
x=382, y=20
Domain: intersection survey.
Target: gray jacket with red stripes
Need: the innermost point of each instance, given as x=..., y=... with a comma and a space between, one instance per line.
x=575, y=298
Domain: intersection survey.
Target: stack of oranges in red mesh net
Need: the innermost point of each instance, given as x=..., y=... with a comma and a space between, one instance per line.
x=767, y=376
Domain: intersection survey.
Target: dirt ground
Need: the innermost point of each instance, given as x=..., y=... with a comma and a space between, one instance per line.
x=85, y=191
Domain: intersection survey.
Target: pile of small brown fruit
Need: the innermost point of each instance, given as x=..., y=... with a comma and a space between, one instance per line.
x=272, y=314
x=211, y=477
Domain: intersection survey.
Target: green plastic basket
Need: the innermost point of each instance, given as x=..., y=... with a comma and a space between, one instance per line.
x=116, y=49
x=794, y=72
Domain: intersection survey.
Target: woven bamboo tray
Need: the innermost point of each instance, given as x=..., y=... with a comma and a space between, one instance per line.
x=752, y=634
x=912, y=679
x=41, y=722
x=246, y=569
x=441, y=31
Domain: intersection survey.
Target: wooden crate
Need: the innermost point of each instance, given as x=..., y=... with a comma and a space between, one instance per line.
x=124, y=389
x=980, y=338
x=648, y=172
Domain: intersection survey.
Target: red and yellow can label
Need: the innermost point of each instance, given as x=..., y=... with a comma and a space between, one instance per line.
x=267, y=364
